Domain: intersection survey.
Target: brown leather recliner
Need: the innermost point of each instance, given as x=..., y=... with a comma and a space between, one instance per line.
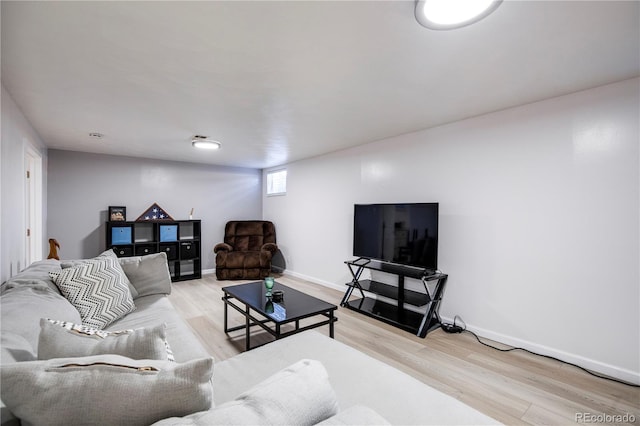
x=246, y=251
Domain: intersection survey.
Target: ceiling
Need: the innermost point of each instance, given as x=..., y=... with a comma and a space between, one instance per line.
x=279, y=81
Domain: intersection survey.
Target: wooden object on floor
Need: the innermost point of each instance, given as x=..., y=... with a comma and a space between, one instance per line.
x=53, y=249
x=512, y=387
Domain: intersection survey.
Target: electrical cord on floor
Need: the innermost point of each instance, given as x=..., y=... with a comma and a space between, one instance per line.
x=454, y=328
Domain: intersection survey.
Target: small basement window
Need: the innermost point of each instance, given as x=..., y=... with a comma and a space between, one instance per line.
x=277, y=182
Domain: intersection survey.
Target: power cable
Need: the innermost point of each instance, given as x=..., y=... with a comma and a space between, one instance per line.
x=454, y=328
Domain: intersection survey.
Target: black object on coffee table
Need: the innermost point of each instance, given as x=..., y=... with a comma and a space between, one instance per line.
x=251, y=299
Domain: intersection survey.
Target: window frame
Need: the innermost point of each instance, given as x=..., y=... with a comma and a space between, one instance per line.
x=270, y=173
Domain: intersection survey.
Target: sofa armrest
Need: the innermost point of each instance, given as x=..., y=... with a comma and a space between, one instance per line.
x=222, y=247
x=269, y=247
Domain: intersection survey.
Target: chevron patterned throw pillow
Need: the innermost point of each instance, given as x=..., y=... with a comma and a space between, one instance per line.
x=97, y=290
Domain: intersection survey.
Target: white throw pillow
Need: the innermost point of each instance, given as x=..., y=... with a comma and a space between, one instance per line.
x=298, y=395
x=61, y=339
x=105, y=390
x=97, y=290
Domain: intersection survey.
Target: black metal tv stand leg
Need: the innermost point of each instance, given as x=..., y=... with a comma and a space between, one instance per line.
x=355, y=284
x=432, y=317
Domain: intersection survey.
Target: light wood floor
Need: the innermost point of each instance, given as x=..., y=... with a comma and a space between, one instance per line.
x=512, y=387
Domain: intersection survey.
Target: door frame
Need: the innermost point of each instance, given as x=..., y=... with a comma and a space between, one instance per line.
x=33, y=204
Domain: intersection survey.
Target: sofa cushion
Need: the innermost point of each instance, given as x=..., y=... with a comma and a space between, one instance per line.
x=357, y=379
x=153, y=309
x=15, y=348
x=21, y=308
x=298, y=395
x=60, y=339
x=249, y=235
x=105, y=389
x=148, y=274
x=97, y=289
x=356, y=415
x=238, y=259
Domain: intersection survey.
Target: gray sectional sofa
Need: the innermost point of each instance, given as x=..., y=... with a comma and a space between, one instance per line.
x=308, y=378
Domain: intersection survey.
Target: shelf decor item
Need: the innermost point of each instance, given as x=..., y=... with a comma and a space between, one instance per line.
x=268, y=283
x=268, y=307
x=278, y=296
x=117, y=214
x=154, y=213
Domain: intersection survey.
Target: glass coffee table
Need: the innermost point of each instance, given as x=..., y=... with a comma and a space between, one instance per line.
x=259, y=310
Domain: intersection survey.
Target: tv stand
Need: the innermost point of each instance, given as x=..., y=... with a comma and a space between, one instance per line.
x=419, y=323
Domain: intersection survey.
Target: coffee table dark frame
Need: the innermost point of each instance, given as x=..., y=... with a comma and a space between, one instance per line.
x=252, y=299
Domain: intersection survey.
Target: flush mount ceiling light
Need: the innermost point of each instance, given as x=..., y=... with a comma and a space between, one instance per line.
x=450, y=14
x=202, y=142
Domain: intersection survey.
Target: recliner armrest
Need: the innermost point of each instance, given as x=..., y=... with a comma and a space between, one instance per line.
x=269, y=247
x=222, y=246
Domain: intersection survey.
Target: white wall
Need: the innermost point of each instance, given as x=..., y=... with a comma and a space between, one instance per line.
x=17, y=135
x=82, y=186
x=539, y=220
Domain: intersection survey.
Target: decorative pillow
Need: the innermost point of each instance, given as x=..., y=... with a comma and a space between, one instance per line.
x=105, y=389
x=108, y=253
x=97, y=290
x=60, y=339
x=298, y=395
x=148, y=274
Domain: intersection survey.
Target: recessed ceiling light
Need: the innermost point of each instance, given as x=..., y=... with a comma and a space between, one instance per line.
x=450, y=14
x=202, y=142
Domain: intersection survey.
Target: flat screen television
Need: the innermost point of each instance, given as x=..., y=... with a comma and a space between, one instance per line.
x=405, y=234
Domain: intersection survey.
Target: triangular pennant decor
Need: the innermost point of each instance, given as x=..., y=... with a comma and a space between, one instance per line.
x=153, y=214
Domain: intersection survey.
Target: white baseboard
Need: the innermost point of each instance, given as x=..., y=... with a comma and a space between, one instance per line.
x=590, y=364
x=208, y=271
x=315, y=280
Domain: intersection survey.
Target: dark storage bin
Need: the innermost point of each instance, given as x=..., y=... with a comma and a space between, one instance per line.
x=143, y=249
x=171, y=250
x=188, y=250
x=123, y=251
